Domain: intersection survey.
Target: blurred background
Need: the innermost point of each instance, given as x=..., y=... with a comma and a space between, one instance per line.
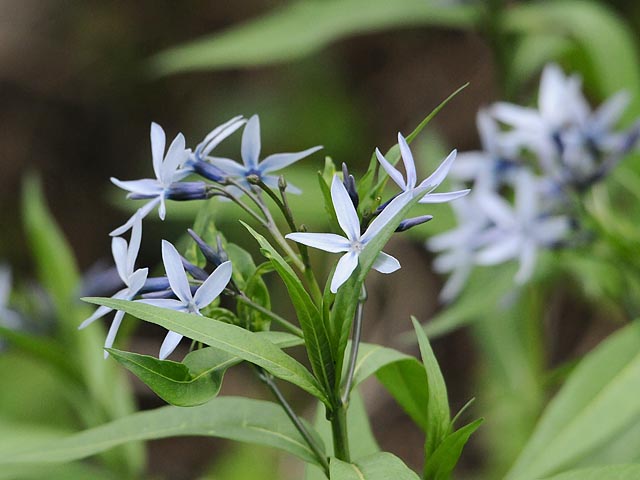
x=80, y=82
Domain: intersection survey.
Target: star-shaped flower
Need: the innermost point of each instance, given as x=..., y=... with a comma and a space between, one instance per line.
x=354, y=242
x=187, y=301
x=428, y=185
x=124, y=256
x=167, y=169
x=251, y=165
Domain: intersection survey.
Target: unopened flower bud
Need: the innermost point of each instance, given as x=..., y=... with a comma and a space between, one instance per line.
x=413, y=222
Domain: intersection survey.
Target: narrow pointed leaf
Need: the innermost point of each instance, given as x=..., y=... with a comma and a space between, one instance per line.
x=440, y=465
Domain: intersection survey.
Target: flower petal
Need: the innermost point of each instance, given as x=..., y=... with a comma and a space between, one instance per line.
x=145, y=186
x=169, y=344
x=440, y=173
x=443, y=197
x=407, y=159
x=229, y=166
x=137, y=280
x=329, y=242
x=213, y=285
x=158, y=141
x=499, y=251
x=345, y=267
x=218, y=134
x=385, y=263
x=278, y=161
x=390, y=211
x=345, y=211
x=393, y=173
x=113, y=331
x=528, y=256
x=119, y=251
x=134, y=243
x=176, y=156
x=175, y=272
x=250, y=149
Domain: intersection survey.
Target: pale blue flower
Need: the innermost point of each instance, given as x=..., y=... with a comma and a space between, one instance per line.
x=520, y=231
x=251, y=164
x=428, y=185
x=167, y=168
x=187, y=301
x=354, y=242
x=124, y=256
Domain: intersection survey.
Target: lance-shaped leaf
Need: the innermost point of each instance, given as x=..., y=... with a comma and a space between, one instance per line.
x=229, y=338
x=234, y=418
x=313, y=327
x=380, y=466
x=197, y=378
x=444, y=459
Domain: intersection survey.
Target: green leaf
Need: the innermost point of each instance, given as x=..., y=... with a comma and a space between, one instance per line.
x=379, y=466
x=438, y=414
x=313, y=327
x=197, y=379
x=372, y=358
x=612, y=64
x=234, y=418
x=441, y=463
x=609, y=472
x=229, y=338
x=596, y=404
x=303, y=27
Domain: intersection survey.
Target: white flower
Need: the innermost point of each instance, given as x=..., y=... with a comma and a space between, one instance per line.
x=520, y=231
x=187, y=302
x=250, y=152
x=167, y=169
x=428, y=185
x=354, y=242
x=124, y=256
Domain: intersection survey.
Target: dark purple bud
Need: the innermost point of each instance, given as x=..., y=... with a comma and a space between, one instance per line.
x=208, y=171
x=384, y=205
x=214, y=257
x=100, y=281
x=188, y=191
x=167, y=293
x=195, y=271
x=349, y=183
x=412, y=222
x=155, y=284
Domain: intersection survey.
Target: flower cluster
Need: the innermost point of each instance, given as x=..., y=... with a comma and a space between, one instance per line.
x=183, y=174
x=543, y=159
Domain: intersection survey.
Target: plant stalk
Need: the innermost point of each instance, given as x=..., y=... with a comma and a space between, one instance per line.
x=355, y=344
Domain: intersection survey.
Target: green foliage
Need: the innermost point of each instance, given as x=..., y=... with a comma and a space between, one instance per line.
x=240, y=419
x=603, y=386
x=610, y=472
x=441, y=463
x=379, y=466
x=229, y=338
x=304, y=27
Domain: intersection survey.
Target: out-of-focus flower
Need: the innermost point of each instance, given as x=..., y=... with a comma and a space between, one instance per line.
x=187, y=301
x=8, y=318
x=251, y=164
x=428, y=185
x=354, y=242
x=124, y=256
x=167, y=168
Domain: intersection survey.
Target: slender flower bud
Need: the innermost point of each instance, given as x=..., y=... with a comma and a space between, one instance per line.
x=208, y=171
x=183, y=191
x=282, y=183
x=214, y=257
x=350, y=184
x=195, y=271
x=166, y=293
x=155, y=284
x=413, y=222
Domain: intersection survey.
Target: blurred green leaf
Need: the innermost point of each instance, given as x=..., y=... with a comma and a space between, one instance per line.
x=315, y=332
x=379, y=466
x=234, y=418
x=597, y=403
x=303, y=27
x=229, y=338
x=610, y=472
x=441, y=463
x=438, y=414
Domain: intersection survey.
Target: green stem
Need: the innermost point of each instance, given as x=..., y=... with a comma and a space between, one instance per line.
x=306, y=435
x=355, y=344
x=339, y=433
x=241, y=297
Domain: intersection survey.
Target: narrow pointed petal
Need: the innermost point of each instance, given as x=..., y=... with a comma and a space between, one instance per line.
x=345, y=267
x=158, y=141
x=386, y=215
x=169, y=344
x=385, y=263
x=443, y=197
x=137, y=280
x=552, y=230
x=499, y=252
x=168, y=303
x=250, y=149
x=518, y=117
x=345, y=211
x=119, y=251
x=213, y=286
x=113, y=331
x=218, y=134
x=526, y=202
x=162, y=209
x=440, y=174
x=134, y=243
x=497, y=209
x=99, y=313
x=229, y=166
x=394, y=174
x=608, y=114
x=552, y=96
x=278, y=161
x=145, y=186
x=329, y=242
x=407, y=159
x=176, y=156
x=528, y=256
x=175, y=272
